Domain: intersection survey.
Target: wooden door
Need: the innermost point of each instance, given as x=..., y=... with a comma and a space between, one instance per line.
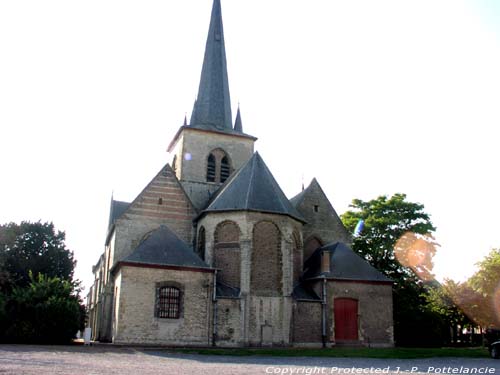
x=346, y=319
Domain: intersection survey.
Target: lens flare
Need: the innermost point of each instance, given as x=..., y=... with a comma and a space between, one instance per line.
x=187, y=156
x=416, y=252
x=359, y=228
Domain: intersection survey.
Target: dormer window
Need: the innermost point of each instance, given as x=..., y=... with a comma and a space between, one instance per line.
x=218, y=166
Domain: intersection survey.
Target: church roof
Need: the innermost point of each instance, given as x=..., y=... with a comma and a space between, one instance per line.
x=163, y=248
x=116, y=210
x=304, y=292
x=238, y=124
x=253, y=188
x=225, y=291
x=345, y=264
x=212, y=108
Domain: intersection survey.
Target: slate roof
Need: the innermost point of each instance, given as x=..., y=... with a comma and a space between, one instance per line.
x=238, y=124
x=116, y=210
x=253, y=188
x=212, y=108
x=226, y=291
x=345, y=264
x=162, y=247
x=305, y=293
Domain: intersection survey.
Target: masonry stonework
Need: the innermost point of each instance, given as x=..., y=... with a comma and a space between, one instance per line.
x=135, y=309
x=212, y=252
x=375, y=311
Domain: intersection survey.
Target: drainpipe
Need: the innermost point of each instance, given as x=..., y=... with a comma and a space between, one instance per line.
x=214, y=301
x=323, y=314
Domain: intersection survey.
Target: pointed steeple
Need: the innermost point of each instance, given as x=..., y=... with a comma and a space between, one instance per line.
x=238, y=125
x=212, y=109
x=185, y=120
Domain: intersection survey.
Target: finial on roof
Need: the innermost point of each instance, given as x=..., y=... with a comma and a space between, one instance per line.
x=238, y=125
x=185, y=120
x=213, y=106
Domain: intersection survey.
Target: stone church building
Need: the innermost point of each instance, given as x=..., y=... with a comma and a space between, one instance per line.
x=212, y=252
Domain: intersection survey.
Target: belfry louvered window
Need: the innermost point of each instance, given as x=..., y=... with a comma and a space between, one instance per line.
x=211, y=168
x=225, y=169
x=169, y=303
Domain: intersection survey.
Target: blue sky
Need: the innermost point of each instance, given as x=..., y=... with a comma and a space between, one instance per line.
x=369, y=97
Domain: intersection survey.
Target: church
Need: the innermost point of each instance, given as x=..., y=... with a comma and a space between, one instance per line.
x=212, y=252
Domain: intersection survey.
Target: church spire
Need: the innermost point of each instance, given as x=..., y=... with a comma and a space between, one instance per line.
x=238, y=125
x=212, y=109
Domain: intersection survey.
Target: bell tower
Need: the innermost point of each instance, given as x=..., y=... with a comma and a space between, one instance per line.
x=210, y=148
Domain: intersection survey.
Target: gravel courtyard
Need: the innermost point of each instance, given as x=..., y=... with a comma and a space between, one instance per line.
x=24, y=359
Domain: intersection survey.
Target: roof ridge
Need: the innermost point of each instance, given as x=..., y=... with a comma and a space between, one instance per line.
x=247, y=200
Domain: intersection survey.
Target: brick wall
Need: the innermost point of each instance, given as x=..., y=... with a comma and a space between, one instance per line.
x=266, y=268
x=374, y=310
x=162, y=202
x=307, y=322
x=227, y=257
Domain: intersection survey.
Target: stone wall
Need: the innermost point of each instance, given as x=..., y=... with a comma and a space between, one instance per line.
x=229, y=322
x=191, y=151
x=322, y=219
x=135, y=307
x=307, y=322
x=374, y=309
x=266, y=315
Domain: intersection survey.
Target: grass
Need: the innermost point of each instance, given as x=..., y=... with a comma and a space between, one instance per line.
x=403, y=353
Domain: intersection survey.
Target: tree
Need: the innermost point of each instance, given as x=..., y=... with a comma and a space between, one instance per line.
x=39, y=299
x=486, y=283
x=35, y=247
x=387, y=220
x=397, y=240
x=46, y=311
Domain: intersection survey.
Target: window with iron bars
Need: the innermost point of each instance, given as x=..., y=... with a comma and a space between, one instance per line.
x=169, y=303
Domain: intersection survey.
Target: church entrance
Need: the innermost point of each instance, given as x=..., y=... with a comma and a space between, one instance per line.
x=346, y=319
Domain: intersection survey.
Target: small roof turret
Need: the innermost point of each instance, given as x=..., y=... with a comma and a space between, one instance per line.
x=238, y=125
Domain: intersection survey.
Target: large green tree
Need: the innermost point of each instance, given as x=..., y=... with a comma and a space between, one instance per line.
x=397, y=240
x=33, y=247
x=39, y=298
x=387, y=220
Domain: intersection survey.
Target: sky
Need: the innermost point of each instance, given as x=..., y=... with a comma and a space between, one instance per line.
x=370, y=97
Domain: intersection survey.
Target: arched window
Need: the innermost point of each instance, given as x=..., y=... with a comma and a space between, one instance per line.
x=211, y=172
x=227, y=253
x=225, y=169
x=200, y=247
x=218, y=166
x=169, y=302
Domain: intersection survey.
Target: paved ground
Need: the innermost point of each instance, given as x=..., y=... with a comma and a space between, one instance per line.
x=22, y=359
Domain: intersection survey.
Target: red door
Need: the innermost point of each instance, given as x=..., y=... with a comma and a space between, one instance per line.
x=346, y=319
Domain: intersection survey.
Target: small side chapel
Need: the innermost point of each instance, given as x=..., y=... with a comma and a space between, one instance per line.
x=212, y=252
